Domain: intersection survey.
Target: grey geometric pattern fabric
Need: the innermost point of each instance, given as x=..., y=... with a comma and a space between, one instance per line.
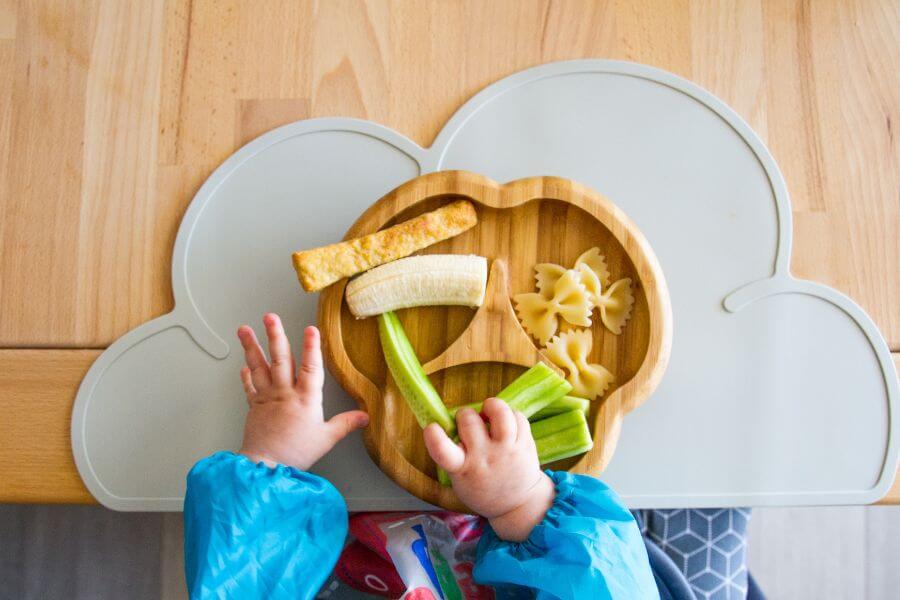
x=708, y=545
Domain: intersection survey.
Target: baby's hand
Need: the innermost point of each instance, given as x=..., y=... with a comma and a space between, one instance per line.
x=285, y=424
x=495, y=473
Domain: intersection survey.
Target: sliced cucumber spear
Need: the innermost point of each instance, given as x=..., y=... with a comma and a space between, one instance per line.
x=544, y=427
x=534, y=389
x=564, y=404
x=476, y=406
x=444, y=477
x=410, y=377
x=564, y=444
x=558, y=406
x=557, y=439
x=531, y=391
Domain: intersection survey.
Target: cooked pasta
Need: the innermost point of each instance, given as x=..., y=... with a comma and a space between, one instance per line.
x=615, y=305
x=591, y=283
x=546, y=275
x=569, y=351
x=591, y=265
x=573, y=294
x=596, y=262
x=570, y=300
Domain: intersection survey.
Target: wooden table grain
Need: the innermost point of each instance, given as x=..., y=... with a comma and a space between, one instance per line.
x=113, y=113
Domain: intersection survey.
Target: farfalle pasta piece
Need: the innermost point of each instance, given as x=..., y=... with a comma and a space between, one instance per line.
x=570, y=301
x=596, y=262
x=537, y=315
x=615, y=305
x=591, y=265
x=591, y=283
x=569, y=351
x=546, y=275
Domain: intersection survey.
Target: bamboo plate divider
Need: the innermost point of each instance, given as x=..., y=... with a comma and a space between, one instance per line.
x=494, y=334
x=471, y=354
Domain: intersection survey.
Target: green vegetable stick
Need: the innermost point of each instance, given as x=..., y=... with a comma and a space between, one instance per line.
x=530, y=392
x=444, y=477
x=410, y=377
x=534, y=389
x=563, y=444
x=564, y=404
x=543, y=428
x=476, y=406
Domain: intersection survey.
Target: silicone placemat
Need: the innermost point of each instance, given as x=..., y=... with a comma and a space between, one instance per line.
x=779, y=391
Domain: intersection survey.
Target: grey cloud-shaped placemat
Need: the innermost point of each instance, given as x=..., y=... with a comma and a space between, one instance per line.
x=779, y=391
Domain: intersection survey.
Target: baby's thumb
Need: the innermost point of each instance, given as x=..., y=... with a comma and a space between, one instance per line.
x=345, y=423
x=443, y=451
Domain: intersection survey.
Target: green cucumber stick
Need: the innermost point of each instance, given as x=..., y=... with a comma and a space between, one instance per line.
x=410, y=377
x=564, y=404
x=476, y=406
x=563, y=444
x=560, y=422
x=444, y=477
x=530, y=392
x=534, y=389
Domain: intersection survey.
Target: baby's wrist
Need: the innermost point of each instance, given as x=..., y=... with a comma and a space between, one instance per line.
x=516, y=525
x=258, y=457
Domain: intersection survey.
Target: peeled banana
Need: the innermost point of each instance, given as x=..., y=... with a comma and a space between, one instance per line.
x=426, y=280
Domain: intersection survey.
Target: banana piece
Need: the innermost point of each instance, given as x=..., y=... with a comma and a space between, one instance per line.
x=426, y=280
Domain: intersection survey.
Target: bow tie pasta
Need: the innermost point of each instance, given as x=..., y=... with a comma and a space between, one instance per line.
x=573, y=294
x=615, y=305
x=570, y=300
x=569, y=350
x=596, y=262
x=614, y=301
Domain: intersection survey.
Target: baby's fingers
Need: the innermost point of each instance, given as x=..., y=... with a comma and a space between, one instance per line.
x=443, y=451
x=502, y=419
x=523, y=433
x=247, y=380
x=472, y=430
x=281, y=370
x=311, y=377
x=256, y=360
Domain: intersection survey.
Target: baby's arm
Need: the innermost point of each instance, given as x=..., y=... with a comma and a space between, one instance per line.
x=563, y=535
x=256, y=523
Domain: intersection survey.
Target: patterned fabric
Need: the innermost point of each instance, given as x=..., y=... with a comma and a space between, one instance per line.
x=708, y=545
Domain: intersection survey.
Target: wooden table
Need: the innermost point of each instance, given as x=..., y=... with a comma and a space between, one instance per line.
x=112, y=114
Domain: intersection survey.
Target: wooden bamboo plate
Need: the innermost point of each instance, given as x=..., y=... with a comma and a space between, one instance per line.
x=470, y=355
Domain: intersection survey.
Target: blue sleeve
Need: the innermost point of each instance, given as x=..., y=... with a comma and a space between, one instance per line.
x=251, y=531
x=587, y=546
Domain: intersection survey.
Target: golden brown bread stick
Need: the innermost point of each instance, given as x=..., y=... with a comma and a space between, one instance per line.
x=320, y=267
